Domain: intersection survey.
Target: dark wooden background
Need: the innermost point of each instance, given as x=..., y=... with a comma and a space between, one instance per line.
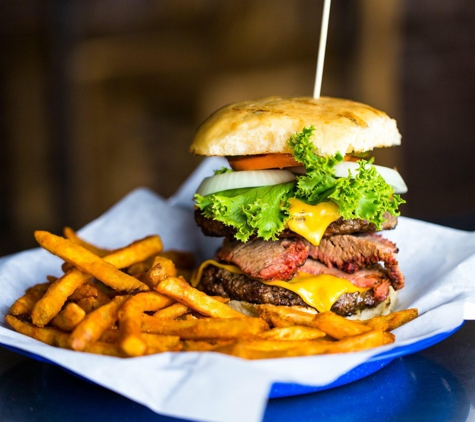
x=98, y=97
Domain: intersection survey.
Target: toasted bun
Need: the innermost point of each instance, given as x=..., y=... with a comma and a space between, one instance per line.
x=264, y=126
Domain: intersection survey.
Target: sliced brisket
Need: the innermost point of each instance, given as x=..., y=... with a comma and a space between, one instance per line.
x=351, y=253
x=265, y=260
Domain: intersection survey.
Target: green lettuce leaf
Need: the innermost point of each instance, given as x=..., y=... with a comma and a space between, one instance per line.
x=262, y=211
x=365, y=195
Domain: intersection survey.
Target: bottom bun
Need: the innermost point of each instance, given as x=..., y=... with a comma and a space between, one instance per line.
x=384, y=308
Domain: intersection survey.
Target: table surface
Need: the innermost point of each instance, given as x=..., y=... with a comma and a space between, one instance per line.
x=436, y=384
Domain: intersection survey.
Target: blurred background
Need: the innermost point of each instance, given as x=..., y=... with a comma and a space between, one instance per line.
x=98, y=97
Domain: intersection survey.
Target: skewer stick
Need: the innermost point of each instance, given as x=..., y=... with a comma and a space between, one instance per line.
x=321, y=48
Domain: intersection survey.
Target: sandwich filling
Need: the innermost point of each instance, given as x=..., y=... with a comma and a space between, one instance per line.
x=309, y=242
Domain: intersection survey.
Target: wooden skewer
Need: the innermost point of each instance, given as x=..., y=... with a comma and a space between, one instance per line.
x=321, y=48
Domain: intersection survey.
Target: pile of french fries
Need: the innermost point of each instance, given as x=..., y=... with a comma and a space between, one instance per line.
x=135, y=301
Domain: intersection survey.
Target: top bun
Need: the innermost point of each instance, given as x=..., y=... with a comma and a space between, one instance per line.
x=264, y=126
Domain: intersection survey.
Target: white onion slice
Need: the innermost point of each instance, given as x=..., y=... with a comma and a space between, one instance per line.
x=391, y=176
x=243, y=179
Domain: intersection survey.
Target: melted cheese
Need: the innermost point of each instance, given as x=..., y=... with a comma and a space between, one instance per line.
x=319, y=291
x=311, y=221
x=195, y=279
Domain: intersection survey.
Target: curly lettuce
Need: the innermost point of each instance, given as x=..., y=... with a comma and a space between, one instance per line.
x=365, y=195
x=263, y=211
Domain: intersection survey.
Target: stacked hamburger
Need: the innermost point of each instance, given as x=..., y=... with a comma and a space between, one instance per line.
x=301, y=210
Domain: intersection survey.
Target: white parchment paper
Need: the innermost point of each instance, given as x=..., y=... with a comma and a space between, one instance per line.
x=438, y=262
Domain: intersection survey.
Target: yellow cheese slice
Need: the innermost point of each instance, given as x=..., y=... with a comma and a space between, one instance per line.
x=311, y=221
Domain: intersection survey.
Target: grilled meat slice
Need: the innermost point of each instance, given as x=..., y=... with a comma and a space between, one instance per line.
x=265, y=260
x=351, y=253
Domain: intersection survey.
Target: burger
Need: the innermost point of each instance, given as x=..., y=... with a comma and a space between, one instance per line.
x=301, y=207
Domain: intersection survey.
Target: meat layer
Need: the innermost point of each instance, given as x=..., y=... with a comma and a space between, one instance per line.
x=265, y=260
x=219, y=282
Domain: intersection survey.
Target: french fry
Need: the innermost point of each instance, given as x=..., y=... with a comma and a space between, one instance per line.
x=70, y=234
x=107, y=349
x=284, y=316
x=69, y=317
x=25, y=304
x=205, y=328
x=95, y=323
x=292, y=333
x=90, y=304
x=172, y=312
x=89, y=263
x=391, y=321
x=167, y=264
x=48, y=335
x=337, y=326
x=251, y=351
x=130, y=337
x=88, y=289
x=162, y=268
x=182, y=292
x=157, y=343
x=110, y=335
x=53, y=300
x=204, y=345
x=367, y=340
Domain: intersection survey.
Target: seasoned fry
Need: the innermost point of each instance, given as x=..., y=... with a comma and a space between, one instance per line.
x=90, y=304
x=391, y=321
x=157, y=343
x=182, y=292
x=367, y=340
x=54, y=299
x=48, y=335
x=25, y=304
x=204, y=345
x=205, y=328
x=130, y=337
x=88, y=289
x=292, y=333
x=89, y=263
x=70, y=234
x=110, y=336
x=162, y=268
x=108, y=349
x=69, y=317
x=95, y=323
x=337, y=326
x=284, y=316
x=172, y=312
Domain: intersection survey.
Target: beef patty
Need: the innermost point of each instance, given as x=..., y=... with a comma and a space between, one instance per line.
x=219, y=282
x=215, y=228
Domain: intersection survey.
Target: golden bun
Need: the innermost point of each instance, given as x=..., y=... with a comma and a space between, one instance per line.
x=264, y=127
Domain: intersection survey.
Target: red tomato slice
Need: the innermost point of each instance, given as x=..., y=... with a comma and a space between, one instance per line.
x=263, y=161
